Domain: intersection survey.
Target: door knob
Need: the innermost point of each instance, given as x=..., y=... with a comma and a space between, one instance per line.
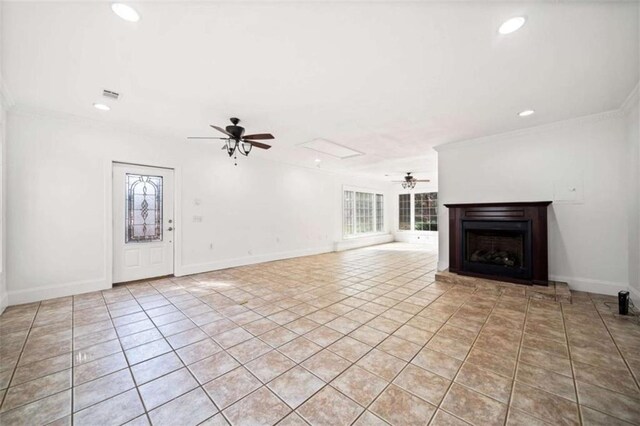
x=170, y=228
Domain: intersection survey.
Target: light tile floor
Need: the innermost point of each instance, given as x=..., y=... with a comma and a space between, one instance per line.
x=361, y=337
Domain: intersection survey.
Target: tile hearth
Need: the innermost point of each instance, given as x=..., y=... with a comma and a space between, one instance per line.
x=365, y=337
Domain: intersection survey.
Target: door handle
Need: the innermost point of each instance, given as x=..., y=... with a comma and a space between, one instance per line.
x=170, y=228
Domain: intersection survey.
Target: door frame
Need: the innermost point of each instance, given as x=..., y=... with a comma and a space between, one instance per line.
x=108, y=219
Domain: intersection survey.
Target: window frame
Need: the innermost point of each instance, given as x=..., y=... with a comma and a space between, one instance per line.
x=412, y=211
x=373, y=193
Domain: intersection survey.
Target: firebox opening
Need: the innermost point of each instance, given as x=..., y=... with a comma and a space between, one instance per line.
x=502, y=248
x=497, y=247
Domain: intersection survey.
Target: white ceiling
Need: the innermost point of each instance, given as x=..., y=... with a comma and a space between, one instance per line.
x=389, y=79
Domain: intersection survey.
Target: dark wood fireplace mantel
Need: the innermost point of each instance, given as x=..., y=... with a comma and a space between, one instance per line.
x=524, y=222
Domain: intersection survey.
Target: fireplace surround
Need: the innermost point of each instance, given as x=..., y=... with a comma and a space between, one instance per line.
x=503, y=241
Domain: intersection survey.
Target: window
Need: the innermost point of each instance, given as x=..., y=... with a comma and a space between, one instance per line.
x=426, y=211
x=418, y=212
x=379, y=212
x=404, y=204
x=363, y=213
x=144, y=208
x=347, y=215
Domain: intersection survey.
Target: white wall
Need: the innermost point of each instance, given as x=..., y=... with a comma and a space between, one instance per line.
x=633, y=140
x=4, y=300
x=588, y=241
x=58, y=196
x=5, y=102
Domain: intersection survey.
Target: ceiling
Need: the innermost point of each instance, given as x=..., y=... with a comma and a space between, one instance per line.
x=389, y=79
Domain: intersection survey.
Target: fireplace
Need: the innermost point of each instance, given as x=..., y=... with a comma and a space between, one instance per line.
x=504, y=241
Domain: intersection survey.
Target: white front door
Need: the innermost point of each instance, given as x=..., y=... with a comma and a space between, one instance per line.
x=143, y=224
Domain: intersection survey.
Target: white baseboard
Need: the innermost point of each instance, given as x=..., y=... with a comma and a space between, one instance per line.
x=442, y=266
x=372, y=240
x=17, y=297
x=4, y=301
x=35, y=294
x=249, y=260
x=592, y=286
x=417, y=237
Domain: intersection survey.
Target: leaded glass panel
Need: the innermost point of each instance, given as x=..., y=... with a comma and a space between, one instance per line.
x=144, y=208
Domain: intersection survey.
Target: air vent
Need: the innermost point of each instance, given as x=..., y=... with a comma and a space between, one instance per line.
x=110, y=94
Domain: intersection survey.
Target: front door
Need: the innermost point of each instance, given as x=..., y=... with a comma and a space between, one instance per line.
x=143, y=225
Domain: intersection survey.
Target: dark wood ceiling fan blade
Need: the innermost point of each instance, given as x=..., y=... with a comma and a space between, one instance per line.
x=259, y=145
x=422, y=180
x=220, y=129
x=259, y=136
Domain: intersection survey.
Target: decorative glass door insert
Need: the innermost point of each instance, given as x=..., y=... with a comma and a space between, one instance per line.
x=144, y=208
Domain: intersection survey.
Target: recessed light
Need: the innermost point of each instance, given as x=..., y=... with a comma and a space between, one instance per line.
x=126, y=12
x=318, y=160
x=101, y=107
x=526, y=113
x=512, y=25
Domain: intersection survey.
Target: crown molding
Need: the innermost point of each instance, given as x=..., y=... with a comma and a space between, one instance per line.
x=592, y=118
x=6, y=99
x=631, y=100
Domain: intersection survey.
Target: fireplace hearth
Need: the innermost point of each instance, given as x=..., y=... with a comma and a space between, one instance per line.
x=504, y=241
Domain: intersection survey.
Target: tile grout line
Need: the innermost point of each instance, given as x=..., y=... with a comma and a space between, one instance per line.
x=624, y=359
x=326, y=347
x=15, y=367
x=515, y=372
x=416, y=354
x=146, y=412
x=369, y=351
x=573, y=370
x=285, y=295
x=323, y=348
x=169, y=301
x=222, y=349
x=467, y=356
x=173, y=350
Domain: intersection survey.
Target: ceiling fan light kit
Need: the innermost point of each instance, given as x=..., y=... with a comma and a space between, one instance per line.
x=410, y=182
x=237, y=141
x=408, y=185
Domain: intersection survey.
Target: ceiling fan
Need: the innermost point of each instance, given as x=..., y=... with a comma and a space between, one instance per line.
x=409, y=181
x=236, y=140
